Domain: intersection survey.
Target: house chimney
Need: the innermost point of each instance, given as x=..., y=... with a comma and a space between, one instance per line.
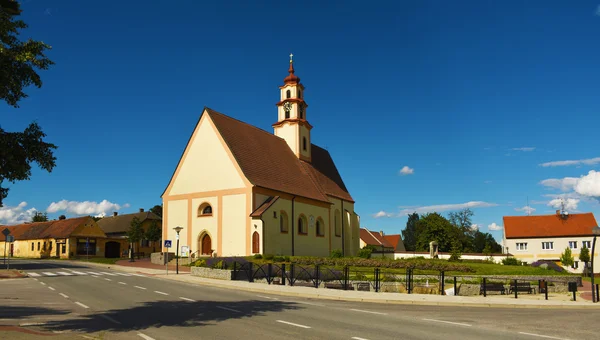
x=141, y=209
x=381, y=232
x=62, y=217
x=115, y=213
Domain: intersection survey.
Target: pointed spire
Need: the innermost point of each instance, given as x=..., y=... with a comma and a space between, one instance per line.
x=291, y=78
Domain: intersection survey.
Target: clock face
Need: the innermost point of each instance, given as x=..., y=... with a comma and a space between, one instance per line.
x=287, y=106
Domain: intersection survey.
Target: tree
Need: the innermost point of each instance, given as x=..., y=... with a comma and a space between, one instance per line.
x=409, y=235
x=462, y=220
x=154, y=233
x=584, y=256
x=135, y=233
x=39, y=217
x=157, y=209
x=434, y=227
x=18, y=59
x=566, y=258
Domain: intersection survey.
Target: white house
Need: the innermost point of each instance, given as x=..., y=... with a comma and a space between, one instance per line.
x=545, y=237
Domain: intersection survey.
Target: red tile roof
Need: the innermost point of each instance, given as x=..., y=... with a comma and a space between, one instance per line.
x=263, y=207
x=396, y=241
x=374, y=238
x=549, y=225
x=50, y=229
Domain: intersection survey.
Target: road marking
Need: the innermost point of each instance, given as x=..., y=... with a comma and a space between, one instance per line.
x=95, y=276
x=186, y=299
x=64, y=273
x=140, y=275
x=111, y=274
x=43, y=283
x=292, y=324
x=266, y=297
x=122, y=283
x=450, y=322
x=307, y=303
x=157, y=292
x=34, y=274
x=78, y=273
x=123, y=274
x=51, y=288
x=229, y=309
x=107, y=279
x=32, y=324
x=138, y=287
x=542, y=336
x=368, y=311
x=144, y=336
x=87, y=337
x=106, y=317
x=357, y=338
x=63, y=295
x=81, y=304
x=36, y=279
x=49, y=274
x=94, y=273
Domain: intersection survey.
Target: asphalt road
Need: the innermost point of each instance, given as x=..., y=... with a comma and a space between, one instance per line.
x=72, y=300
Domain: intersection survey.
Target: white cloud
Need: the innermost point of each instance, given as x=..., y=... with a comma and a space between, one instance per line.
x=524, y=149
x=570, y=203
x=589, y=161
x=527, y=209
x=475, y=227
x=494, y=227
x=407, y=171
x=382, y=214
x=564, y=184
x=446, y=207
x=84, y=208
x=586, y=185
x=16, y=215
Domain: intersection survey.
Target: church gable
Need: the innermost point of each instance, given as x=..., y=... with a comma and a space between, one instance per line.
x=206, y=164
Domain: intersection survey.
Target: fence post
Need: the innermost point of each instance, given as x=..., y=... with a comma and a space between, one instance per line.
x=409, y=281
x=317, y=276
x=269, y=273
x=443, y=283
x=283, y=274
x=234, y=270
x=546, y=290
x=455, y=292
x=596, y=291
x=484, y=288
x=376, y=280
x=292, y=277
x=250, y=272
x=346, y=277
x=516, y=290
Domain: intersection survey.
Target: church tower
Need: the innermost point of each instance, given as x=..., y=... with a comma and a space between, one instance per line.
x=291, y=112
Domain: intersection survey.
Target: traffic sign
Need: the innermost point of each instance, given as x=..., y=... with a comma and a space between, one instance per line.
x=167, y=243
x=10, y=238
x=5, y=231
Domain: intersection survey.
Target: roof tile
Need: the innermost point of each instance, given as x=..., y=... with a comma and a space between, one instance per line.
x=549, y=225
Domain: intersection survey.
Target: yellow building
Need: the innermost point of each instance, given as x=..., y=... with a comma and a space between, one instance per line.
x=240, y=190
x=63, y=238
x=116, y=226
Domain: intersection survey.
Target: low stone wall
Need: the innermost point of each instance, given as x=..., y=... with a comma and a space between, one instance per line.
x=161, y=258
x=209, y=273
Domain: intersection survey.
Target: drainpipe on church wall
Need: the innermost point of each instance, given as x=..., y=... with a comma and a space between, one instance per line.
x=343, y=240
x=293, y=228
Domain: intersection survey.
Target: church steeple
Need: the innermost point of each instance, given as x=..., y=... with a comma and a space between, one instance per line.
x=292, y=124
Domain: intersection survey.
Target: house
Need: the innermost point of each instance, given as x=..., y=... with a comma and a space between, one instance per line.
x=116, y=226
x=377, y=240
x=240, y=190
x=62, y=238
x=545, y=237
x=396, y=241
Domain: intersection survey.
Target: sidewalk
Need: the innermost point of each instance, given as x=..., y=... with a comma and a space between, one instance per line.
x=146, y=264
x=524, y=301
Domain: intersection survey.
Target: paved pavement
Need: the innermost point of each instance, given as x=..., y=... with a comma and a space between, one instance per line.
x=96, y=302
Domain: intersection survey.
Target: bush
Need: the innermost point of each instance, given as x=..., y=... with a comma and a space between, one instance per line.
x=365, y=253
x=257, y=256
x=286, y=259
x=279, y=259
x=511, y=261
x=200, y=263
x=269, y=257
x=337, y=253
x=225, y=262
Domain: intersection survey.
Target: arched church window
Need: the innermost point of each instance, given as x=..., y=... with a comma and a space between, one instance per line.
x=205, y=210
x=288, y=94
x=299, y=94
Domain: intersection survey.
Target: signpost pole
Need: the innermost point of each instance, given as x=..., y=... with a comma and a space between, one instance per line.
x=167, y=246
x=6, y=232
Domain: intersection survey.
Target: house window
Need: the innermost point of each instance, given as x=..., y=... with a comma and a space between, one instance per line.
x=274, y=214
x=302, y=226
x=205, y=210
x=50, y=245
x=320, y=228
x=287, y=114
x=522, y=246
x=64, y=249
x=38, y=246
x=85, y=248
x=548, y=245
x=304, y=143
x=44, y=247
x=575, y=265
x=336, y=219
x=283, y=222
x=573, y=244
x=32, y=246
x=586, y=244
x=288, y=94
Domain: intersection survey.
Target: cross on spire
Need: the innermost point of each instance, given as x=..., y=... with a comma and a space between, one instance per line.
x=291, y=57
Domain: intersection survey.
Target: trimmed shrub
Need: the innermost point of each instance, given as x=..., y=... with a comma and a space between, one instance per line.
x=337, y=253
x=278, y=258
x=511, y=261
x=269, y=257
x=257, y=256
x=365, y=253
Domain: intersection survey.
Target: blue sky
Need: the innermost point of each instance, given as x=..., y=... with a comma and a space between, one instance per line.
x=471, y=96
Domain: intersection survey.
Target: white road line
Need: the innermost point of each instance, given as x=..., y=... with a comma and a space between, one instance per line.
x=94, y=273
x=357, y=338
x=78, y=273
x=34, y=274
x=123, y=274
x=122, y=283
x=266, y=297
x=32, y=324
x=81, y=304
x=86, y=337
x=157, y=292
x=107, y=279
x=140, y=275
x=186, y=299
x=144, y=336
x=542, y=336
x=49, y=274
x=63, y=295
x=368, y=311
x=95, y=276
x=43, y=283
x=111, y=274
x=51, y=288
x=229, y=309
x=64, y=273
x=106, y=317
x=292, y=324
x=452, y=323
x=138, y=287
x=35, y=279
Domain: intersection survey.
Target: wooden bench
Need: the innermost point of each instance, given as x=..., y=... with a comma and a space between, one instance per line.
x=522, y=287
x=337, y=286
x=492, y=287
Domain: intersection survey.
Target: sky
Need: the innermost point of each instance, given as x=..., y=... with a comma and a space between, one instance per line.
x=424, y=105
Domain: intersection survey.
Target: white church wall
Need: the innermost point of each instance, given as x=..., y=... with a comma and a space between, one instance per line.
x=234, y=225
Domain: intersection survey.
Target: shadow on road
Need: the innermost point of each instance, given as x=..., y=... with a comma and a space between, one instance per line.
x=17, y=312
x=169, y=313
x=27, y=264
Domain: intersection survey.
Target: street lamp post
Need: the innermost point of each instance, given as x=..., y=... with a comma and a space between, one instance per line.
x=177, y=229
x=596, y=232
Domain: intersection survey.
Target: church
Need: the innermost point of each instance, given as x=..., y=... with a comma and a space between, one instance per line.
x=239, y=190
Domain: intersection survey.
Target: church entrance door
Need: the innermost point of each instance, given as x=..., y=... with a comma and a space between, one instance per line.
x=206, y=246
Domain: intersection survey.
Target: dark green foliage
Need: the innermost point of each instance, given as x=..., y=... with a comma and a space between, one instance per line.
x=337, y=253
x=409, y=235
x=157, y=209
x=135, y=232
x=365, y=253
x=455, y=251
x=18, y=59
x=278, y=258
x=511, y=261
x=566, y=258
x=434, y=227
x=269, y=257
x=257, y=256
x=154, y=233
x=584, y=255
x=39, y=217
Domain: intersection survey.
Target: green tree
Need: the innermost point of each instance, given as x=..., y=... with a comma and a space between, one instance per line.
x=135, y=233
x=434, y=227
x=39, y=217
x=566, y=258
x=157, y=209
x=584, y=256
x=409, y=235
x=462, y=220
x=153, y=234
x=487, y=250
x=18, y=59
x=455, y=251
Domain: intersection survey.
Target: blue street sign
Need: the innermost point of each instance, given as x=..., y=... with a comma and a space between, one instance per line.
x=167, y=243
